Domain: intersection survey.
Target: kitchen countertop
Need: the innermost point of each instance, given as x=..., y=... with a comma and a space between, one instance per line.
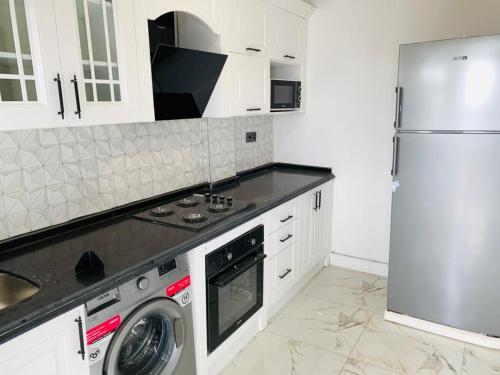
x=129, y=247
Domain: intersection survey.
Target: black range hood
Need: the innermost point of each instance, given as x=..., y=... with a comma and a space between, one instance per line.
x=183, y=79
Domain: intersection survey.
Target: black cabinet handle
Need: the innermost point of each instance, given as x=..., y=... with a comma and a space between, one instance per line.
x=286, y=238
x=77, y=96
x=253, y=49
x=289, y=57
x=61, y=101
x=80, y=333
x=320, y=198
x=288, y=270
x=253, y=109
x=288, y=218
x=316, y=201
x=395, y=150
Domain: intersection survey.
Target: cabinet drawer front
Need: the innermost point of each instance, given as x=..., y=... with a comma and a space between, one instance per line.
x=286, y=235
x=281, y=216
x=284, y=271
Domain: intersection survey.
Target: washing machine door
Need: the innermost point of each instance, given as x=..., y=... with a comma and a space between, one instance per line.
x=149, y=341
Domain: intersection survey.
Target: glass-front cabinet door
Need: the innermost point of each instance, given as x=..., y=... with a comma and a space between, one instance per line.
x=31, y=80
x=99, y=58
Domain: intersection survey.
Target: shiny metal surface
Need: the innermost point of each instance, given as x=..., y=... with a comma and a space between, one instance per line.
x=444, y=262
x=450, y=85
x=14, y=289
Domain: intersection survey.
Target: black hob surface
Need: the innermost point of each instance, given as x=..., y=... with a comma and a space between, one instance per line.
x=194, y=212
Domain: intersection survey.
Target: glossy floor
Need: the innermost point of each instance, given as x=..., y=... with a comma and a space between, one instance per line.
x=336, y=326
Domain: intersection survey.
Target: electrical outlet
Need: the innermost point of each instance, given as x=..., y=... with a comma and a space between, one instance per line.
x=251, y=137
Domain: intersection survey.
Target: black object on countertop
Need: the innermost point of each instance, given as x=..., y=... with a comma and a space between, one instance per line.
x=89, y=268
x=128, y=247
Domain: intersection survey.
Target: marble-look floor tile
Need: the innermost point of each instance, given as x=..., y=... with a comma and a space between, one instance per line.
x=481, y=361
x=407, y=351
x=321, y=323
x=270, y=354
x=350, y=288
x=354, y=367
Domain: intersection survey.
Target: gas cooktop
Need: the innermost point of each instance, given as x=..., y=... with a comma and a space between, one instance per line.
x=194, y=212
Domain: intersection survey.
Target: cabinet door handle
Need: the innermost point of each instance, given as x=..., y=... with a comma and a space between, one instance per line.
x=288, y=270
x=253, y=49
x=320, y=198
x=289, y=57
x=286, y=238
x=77, y=97
x=80, y=333
x=61, y=101
x=316, y=201
x=253, y=109
x=288, y=218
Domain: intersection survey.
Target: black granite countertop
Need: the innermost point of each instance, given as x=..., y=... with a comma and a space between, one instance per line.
x=128, y=247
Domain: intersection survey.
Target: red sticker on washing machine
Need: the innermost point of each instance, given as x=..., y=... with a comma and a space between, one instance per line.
x=176, y=287
x=103, y=329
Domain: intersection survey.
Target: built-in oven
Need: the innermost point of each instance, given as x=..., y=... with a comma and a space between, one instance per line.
x=285, y=95
x=234, y=285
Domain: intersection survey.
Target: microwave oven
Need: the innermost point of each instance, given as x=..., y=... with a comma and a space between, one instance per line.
x=285, y=95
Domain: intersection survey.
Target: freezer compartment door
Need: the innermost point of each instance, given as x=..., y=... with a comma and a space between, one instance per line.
x=444, y=263
x=450, y=85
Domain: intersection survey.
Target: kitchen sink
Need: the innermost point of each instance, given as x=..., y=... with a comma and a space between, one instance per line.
x=14, y=289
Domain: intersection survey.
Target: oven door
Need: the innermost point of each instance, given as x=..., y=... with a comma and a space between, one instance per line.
x=283, y=95
x=233, y=296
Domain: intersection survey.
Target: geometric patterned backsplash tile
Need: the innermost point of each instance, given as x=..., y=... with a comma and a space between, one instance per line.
x=49, y=176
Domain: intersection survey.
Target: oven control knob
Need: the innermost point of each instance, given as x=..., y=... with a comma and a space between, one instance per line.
x=229, y=256
x=252, y=241
x=142, y=283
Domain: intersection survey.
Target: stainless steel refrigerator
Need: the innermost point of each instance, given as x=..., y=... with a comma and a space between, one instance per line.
x=444, y=262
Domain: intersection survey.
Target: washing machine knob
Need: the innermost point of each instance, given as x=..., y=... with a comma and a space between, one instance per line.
x=142, y=283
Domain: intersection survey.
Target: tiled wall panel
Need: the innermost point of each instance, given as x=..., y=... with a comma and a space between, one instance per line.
x=50, y=176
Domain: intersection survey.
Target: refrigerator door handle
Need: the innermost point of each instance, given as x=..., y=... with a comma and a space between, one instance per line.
x=395, y=151
x=399, y=94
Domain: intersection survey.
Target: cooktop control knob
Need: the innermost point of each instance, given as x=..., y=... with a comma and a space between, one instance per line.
x=229, y=201
x=207, y=197
x=142, y=283
x=214, y=198
x=222, y=199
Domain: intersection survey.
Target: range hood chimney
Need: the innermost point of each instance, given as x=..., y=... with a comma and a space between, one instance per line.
x=183, y=79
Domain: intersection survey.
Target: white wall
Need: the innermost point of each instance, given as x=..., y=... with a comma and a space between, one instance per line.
x=352, y=72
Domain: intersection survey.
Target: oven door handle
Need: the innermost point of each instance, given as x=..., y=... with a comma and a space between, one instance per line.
x=232, y=274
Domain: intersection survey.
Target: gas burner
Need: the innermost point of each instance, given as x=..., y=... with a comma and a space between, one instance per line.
x=194, y=218
x=218, y=208
x=162, y=211
x=187, y=202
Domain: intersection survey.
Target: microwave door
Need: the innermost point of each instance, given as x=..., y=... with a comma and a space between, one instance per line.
x=283, y=95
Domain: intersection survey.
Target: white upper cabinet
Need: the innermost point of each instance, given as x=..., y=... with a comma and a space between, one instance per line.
x=98, y=54
x=67, y=62
x=249, y=27
x=288, y=33
x=249, y=80
x=29, y=65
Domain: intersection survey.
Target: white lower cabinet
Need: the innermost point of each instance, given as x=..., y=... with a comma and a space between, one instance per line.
x=50, y=349
x=284, y=271
x=298, y=243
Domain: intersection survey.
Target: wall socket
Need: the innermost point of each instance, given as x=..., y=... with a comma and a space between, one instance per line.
x=251, y=137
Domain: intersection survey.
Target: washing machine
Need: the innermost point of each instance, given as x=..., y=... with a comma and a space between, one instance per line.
x=144, y=326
